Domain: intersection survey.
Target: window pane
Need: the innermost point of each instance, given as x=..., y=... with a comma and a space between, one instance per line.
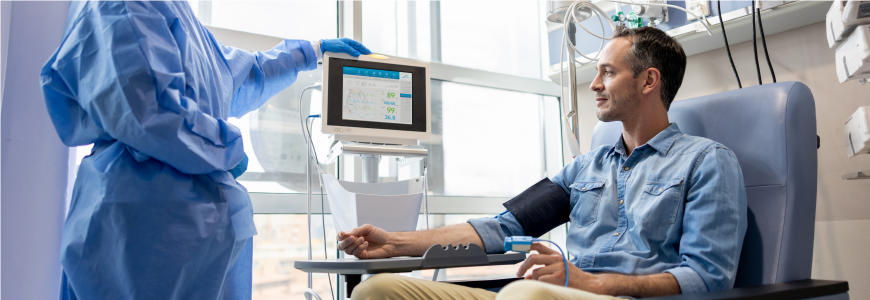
x=500, y=37
x=379, y=26
x=397, y=28
x=304, y=20
x=553, y=136
x=486, y=142
x=280, y=241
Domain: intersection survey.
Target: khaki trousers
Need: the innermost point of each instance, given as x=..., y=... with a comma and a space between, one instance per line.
x=391, y=286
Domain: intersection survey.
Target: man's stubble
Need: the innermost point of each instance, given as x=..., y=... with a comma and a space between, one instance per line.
x=620, y=107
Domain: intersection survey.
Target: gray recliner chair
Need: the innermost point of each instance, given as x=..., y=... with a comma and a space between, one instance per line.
x=772, y=130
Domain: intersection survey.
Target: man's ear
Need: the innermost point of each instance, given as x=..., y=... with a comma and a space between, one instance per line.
x=651, y=79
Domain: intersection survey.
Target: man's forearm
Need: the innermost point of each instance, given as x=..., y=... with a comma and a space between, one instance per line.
x=415, y=243
x=640, y=286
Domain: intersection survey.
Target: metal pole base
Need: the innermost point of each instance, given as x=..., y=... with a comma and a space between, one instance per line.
x=370, y=168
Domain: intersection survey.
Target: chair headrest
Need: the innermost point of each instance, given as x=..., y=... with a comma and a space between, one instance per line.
x=764, y=125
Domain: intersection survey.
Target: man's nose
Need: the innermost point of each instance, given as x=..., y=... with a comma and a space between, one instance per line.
x=596, y=85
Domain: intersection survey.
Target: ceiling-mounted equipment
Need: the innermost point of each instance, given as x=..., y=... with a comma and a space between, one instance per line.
x=556, y=11
x=655, y=13
x=857, y=130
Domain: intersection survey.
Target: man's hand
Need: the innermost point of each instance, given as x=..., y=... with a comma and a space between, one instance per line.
x=366, y=241
x=553, y=271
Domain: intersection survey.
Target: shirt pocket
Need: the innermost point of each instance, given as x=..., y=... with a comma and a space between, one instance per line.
x=586, y=195
x=659, y=203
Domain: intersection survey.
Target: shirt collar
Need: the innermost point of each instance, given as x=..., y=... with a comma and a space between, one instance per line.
x=662, y=142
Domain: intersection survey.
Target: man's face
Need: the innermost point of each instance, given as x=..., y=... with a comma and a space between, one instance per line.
x=616, y=89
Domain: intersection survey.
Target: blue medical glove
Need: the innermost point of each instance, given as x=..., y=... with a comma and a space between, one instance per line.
x=239, y=169
x=344, y=45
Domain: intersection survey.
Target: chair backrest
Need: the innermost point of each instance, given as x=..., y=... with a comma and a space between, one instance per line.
x=772, y=130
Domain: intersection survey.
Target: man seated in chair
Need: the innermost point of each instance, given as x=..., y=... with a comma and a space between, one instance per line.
x=658, y=213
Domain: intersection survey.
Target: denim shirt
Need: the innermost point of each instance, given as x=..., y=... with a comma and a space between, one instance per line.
x=677, y=204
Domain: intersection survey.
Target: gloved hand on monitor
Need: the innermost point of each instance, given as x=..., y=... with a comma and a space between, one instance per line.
x=344, y=45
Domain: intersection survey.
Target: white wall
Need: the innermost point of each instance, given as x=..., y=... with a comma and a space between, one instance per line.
x=843, y=207
x=34, y=161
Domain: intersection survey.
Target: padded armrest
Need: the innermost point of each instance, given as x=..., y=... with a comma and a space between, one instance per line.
x=795, y=290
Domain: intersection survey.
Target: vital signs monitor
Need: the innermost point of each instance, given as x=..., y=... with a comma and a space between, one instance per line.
x=376, y=99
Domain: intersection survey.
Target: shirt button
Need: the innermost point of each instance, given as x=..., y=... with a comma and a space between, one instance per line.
x=627, y=168
x=661, y=190
x=620, y=201
x=616, y=233
x=583, y=189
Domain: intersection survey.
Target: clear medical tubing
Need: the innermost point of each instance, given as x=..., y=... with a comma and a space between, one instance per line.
x=309, y=293
x=322, y=209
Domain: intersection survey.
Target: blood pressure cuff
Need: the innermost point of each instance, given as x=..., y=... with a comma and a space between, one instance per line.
x=541, y=207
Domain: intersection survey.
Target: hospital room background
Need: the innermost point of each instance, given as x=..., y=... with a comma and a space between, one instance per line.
x=496, y=113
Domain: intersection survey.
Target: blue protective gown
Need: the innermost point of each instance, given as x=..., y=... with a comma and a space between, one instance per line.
x=154, y=212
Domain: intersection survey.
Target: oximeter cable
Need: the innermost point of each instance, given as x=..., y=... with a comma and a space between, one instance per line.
x=525, y=243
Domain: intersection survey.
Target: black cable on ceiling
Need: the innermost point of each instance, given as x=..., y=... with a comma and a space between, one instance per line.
x=764, y=43
x=754, y=45
x=728, y=48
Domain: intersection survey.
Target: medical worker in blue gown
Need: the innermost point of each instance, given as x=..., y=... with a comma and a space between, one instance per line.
x=156, y=212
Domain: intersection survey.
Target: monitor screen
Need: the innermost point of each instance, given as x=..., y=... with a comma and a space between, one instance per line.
x=374, y=95
x=368, y=94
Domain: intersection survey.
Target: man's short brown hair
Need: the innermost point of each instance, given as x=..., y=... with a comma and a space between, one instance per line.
x=653, y=48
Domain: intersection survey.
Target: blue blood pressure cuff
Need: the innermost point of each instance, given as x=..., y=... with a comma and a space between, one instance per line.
x=541, y=207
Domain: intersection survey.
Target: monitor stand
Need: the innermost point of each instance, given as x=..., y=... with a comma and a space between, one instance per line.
x=373, y=140
x=371, y=151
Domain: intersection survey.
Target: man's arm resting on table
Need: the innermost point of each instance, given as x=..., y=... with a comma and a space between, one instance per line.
x=371, y=242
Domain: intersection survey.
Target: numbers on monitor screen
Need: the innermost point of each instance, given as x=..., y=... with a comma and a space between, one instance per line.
x=370, y=93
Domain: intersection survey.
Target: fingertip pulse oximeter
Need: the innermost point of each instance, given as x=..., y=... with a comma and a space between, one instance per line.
x=518, y=243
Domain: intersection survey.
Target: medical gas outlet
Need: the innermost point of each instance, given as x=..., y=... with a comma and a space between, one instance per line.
x=857, y=132
x=853, y=55
x=701, y=8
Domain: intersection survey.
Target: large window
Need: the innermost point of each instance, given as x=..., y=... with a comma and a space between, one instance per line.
x=304, y=20
x=490, y=140
x=503, y=37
